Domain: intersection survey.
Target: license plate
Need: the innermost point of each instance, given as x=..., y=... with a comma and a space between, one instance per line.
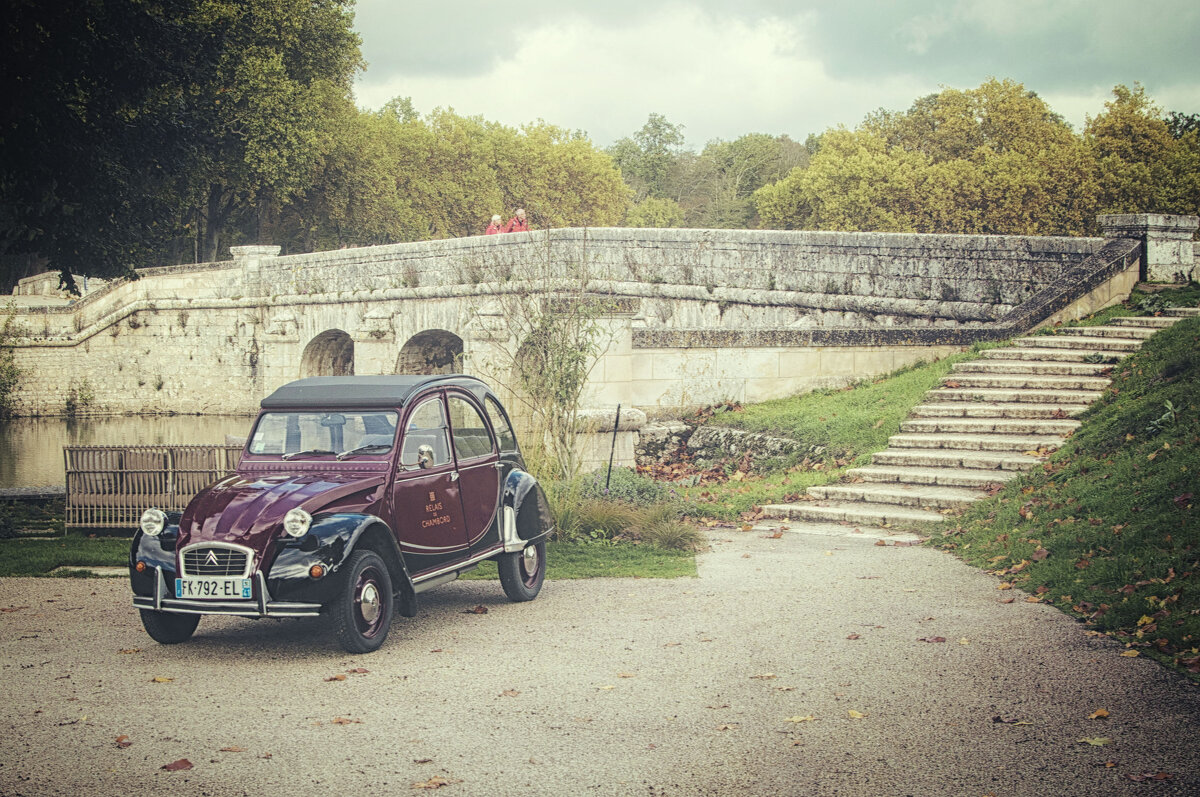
x=213, y=588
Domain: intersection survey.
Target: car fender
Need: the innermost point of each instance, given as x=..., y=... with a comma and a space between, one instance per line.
x=330, y=541
x=157, y=552
x=526, y=511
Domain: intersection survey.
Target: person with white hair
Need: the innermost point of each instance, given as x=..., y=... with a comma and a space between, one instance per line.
x=494, y=227
x=517, y=223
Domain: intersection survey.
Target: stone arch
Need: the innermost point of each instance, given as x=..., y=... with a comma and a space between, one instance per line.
x=329, y=354
x=434, y=351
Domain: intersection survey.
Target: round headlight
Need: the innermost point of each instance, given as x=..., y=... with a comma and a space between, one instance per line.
x=153, y=522
x=296, y=522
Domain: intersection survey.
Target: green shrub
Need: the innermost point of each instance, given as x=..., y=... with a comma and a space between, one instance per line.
x=625, y=484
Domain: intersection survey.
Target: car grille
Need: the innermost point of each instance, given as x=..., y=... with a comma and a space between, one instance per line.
x=214, y=560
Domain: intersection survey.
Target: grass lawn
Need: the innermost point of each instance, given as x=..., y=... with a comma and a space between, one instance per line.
x=37, y=556
x=1108, y=530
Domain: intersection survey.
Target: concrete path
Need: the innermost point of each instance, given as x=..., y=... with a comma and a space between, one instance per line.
x=809, y=664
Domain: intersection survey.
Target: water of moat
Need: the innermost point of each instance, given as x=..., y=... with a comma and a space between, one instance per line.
x=31, y=449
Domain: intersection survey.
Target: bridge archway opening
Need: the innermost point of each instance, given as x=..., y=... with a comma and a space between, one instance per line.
x=434, y=351
x=329, y=354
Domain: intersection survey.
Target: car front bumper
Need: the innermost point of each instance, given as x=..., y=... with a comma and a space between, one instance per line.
x=262, y=605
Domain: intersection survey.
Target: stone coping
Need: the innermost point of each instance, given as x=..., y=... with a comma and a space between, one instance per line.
x=1073, y=284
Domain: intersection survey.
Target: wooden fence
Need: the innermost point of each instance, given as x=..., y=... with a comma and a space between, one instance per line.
x=110, y=486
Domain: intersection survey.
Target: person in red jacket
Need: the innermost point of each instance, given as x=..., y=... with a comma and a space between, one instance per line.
x=494, y=227
x=517, y=223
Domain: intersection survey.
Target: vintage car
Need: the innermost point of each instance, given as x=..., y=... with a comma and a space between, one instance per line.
x=353, y=495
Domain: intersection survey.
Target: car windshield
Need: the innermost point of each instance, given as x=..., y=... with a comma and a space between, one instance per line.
x=323, y=433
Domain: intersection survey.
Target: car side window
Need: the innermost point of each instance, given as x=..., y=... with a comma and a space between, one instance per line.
x=425, y=439
x=504, y=432
x=468, y=430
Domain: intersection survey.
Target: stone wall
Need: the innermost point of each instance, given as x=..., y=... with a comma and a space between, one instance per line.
x=694, y=316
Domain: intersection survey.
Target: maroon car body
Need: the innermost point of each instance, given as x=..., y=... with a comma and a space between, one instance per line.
x=352, y=496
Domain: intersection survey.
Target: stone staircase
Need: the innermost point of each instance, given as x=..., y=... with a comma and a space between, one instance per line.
x=991, y=419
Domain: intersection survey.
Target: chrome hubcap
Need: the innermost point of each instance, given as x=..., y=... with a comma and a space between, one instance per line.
x=369, y=603
x=529, y=559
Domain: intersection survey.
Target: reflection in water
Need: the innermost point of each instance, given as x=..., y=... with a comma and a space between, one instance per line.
x=31, y=448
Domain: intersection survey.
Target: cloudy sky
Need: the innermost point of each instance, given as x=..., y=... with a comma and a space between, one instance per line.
x=723, y=68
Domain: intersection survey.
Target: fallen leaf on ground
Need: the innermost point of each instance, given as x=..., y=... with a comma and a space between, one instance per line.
x=1095, y=741
x=436, y=782
x=856, y=715
x=766, y=676
x=127, y=651
x=338, y=677
x=177, y=766
x=358, y=671
x=853, y=636
x=931, y=639
x=806, y=718
x=346, y=721
x=1004, y=585
x=1098, y=714
x=480, y=609
x=1129, y=654
x=728, y=726
x=422, y=760
x=123, y=741
x=1009, y=721
x=1006, y=600
x=672, y=644
x=161, y=680
x=509, y=693
x=627, y=675
x=233, y=749
x=12, y=608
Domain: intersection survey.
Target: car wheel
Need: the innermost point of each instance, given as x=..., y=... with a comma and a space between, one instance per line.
x=362, y=612
x=522, y=573
x=168, y=628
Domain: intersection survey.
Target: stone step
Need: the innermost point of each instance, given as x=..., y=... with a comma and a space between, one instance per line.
x=983, y=409
x=976, y=442
x=954, y=458
x=1062, y=398
x=1093, y=343
x=943, y=477
x=1057, y=354
x=1026, y=381
x=1007, y=426
x=911, y=496
x=1107, y=331
x=1158, y=322
x=858, y=512
x=1182, y=312
x=998, y=366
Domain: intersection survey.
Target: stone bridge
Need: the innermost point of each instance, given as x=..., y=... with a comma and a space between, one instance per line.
x=691, y=316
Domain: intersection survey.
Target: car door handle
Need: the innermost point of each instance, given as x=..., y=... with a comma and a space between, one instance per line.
x=453, y=475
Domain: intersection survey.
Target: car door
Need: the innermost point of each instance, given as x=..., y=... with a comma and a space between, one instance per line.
x=479, y=477
x=425, y=501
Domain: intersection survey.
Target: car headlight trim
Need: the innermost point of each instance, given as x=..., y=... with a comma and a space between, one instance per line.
x=153, y=522
x=296, y=522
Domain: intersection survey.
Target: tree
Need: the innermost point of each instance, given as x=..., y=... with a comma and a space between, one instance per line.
x=131, y=124
x=645, y=159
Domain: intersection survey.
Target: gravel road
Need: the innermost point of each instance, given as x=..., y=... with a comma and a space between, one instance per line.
x=790, y=666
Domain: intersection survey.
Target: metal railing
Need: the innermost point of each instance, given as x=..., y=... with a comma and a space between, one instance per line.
x=110, y=486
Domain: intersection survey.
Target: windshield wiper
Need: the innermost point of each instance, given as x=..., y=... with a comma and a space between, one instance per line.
x=309, y=452
x=364, y=449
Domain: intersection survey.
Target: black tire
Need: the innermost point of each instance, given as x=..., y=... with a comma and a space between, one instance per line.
x=168, y=628
x=362, y=612
x=522, y=573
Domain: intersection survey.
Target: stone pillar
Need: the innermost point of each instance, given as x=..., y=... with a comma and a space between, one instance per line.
x=1168, y=254
x=251, y=258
